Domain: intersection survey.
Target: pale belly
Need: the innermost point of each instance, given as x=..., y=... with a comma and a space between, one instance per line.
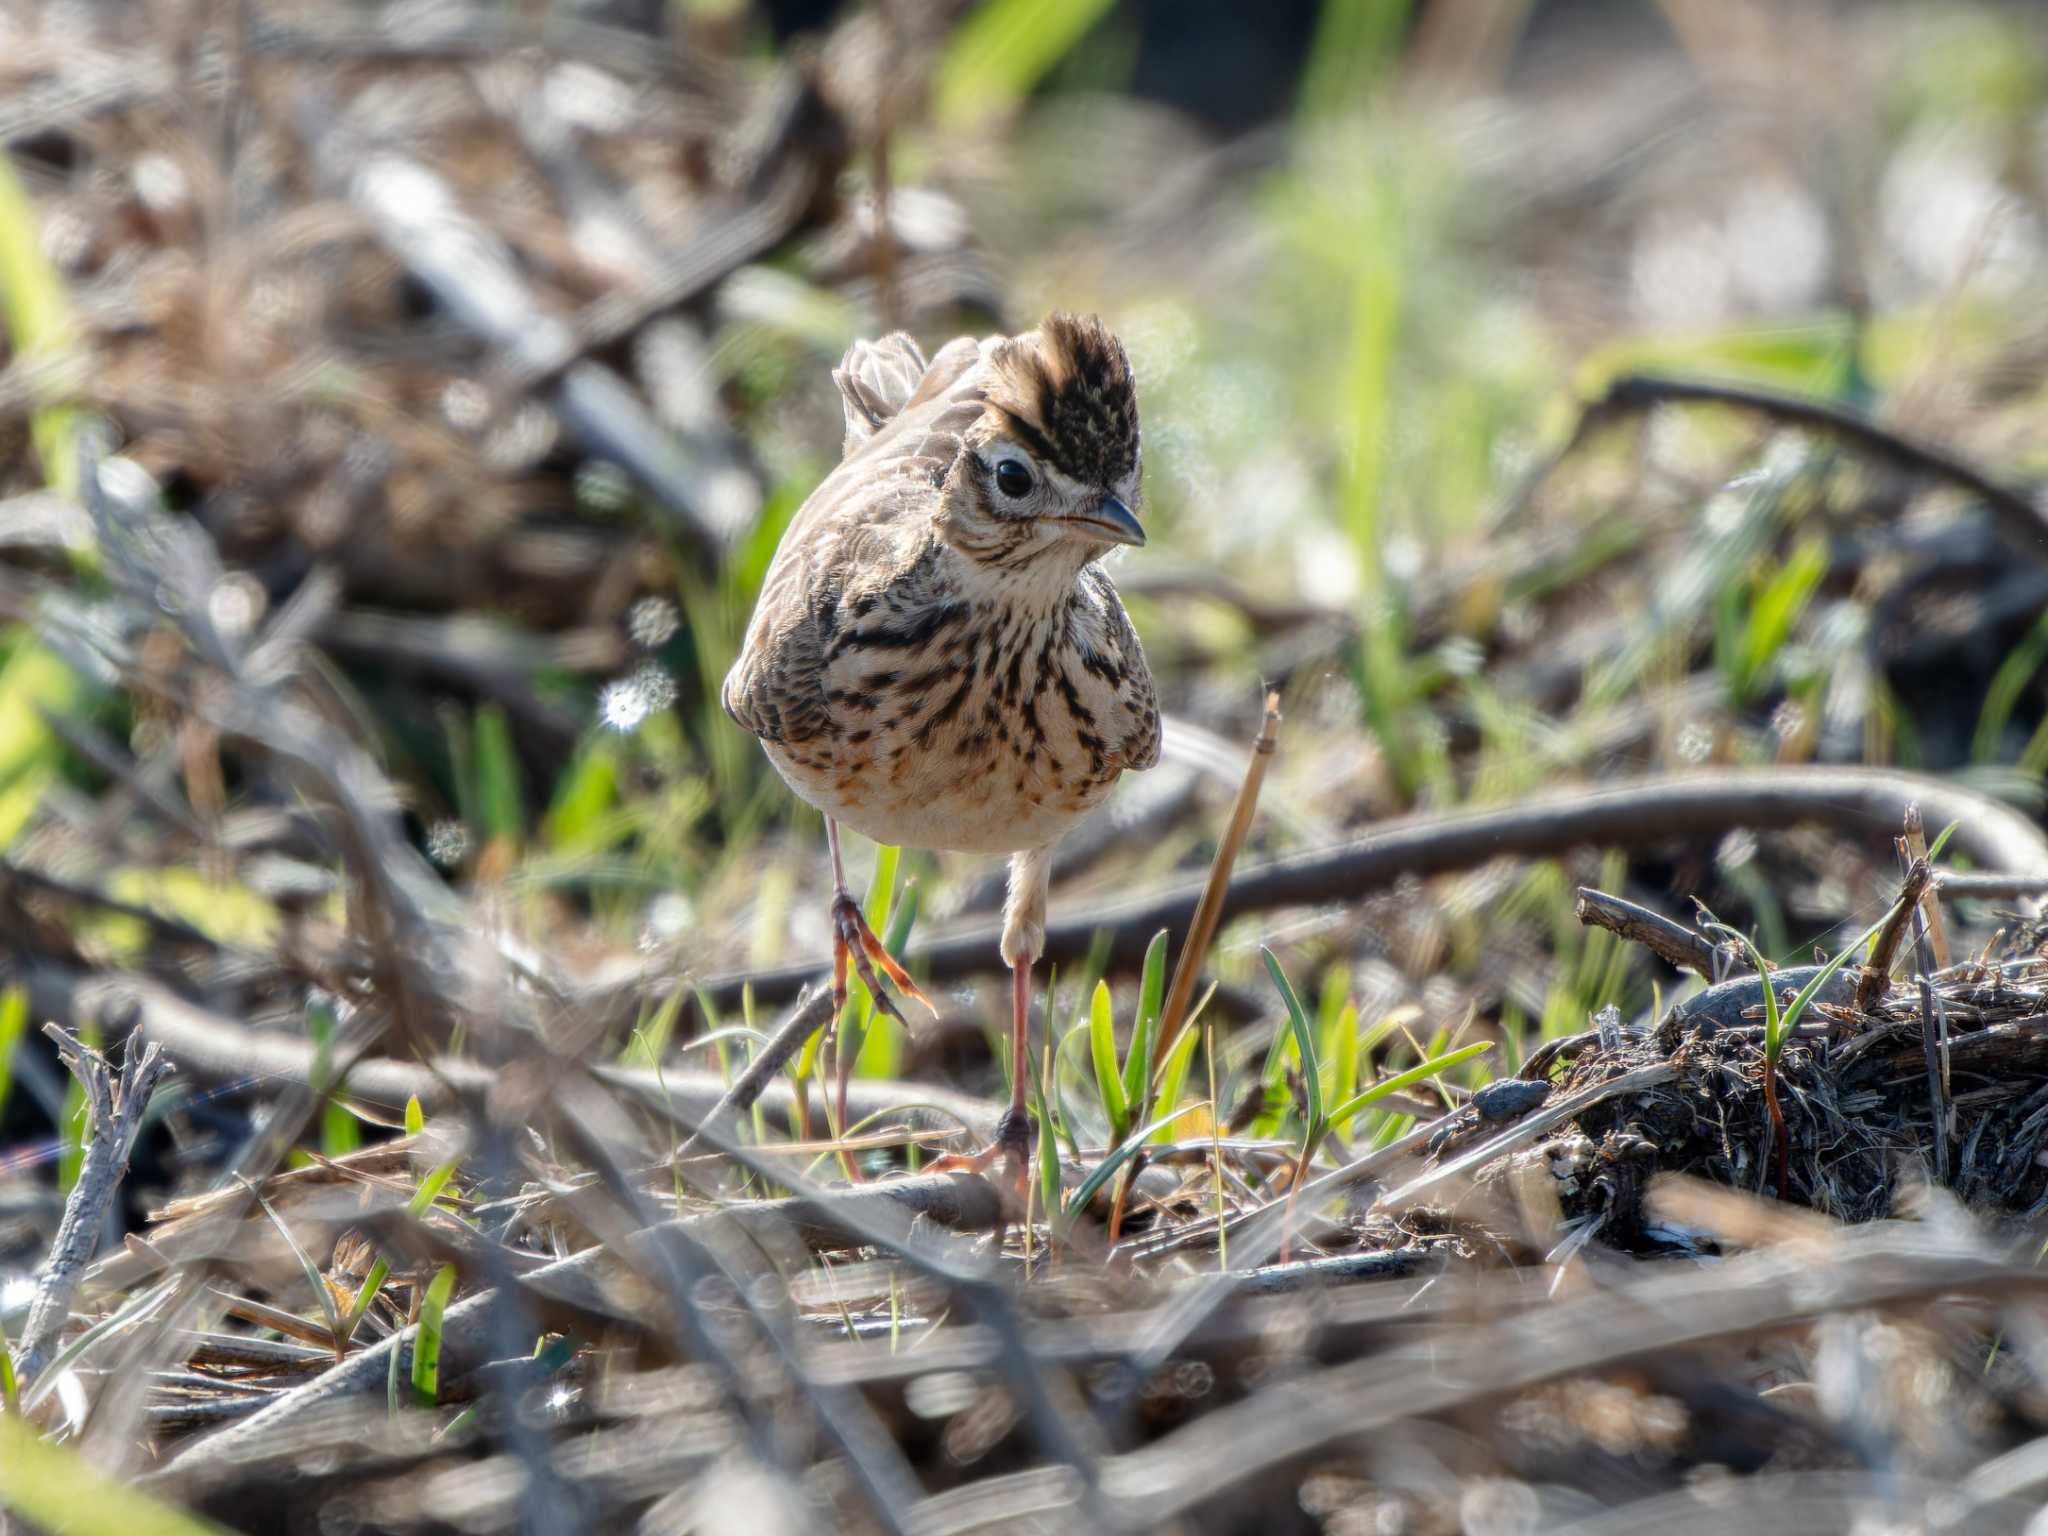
x=935, y=799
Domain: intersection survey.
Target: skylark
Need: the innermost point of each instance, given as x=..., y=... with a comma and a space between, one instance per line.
x=938, y=658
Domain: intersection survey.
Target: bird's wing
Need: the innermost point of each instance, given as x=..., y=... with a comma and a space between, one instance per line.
x=869, y=517
x=876, y=380
x=1135, y=716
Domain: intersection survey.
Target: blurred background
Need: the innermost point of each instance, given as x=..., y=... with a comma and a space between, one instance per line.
x=486, y=349
x=400, y=404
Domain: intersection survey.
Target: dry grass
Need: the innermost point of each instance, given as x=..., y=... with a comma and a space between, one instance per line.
x=394, y=422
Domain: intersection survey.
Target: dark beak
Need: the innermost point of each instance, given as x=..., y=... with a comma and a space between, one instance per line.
x=1110, y=521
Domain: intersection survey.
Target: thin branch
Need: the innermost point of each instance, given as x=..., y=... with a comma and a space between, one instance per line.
x=582, y=1286
x=1877, y=971
x=2016, y=513
x=115, y=1100
x=1683, y=947
x=811, y=1014
x=1187, y=971
x=213, y=1048
x=1645, y=813
x=1937, y=930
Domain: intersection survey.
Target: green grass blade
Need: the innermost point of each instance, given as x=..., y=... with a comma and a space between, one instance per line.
x=576, y=821
x=1779, y=1026
x=373, y=1283
x=1774, y=613
x=1125, y=1149
x=1342, y=1057
x=1305, y=1038
x=10, y=1389
x=1002, y=50
x=1151, y=991
x=882, y=886
x=1422, y=1071
x=59, y=1490
x=392, y=1401
x=1173, y=1072
x=1774, y=1024
x=339, y=1132
x=2003, y=692
x=500, y=796
x=415, y=1117
x=13, y=1025
x=37, y=318
x=426, y=1350
x=1940, y=842
x=1048, y=1160
x=881, y=1052
x=1355, y=46
x=1109, y=1083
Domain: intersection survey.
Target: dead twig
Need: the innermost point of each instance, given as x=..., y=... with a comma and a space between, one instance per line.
x=1916, y=849
x=2015, y=512
x=115, y=1099
x=1683, y=947
x=1173, y=1015
x=1644, y=813
x=583, y=1287
x=214, y=1048
x=2008, y=887
x=1877, y=971
x=811, y=1014
x=1937, y=1100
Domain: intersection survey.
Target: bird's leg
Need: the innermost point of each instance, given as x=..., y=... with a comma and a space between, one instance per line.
x=855, y=947
x=1023, y=942
x=1013, y=1131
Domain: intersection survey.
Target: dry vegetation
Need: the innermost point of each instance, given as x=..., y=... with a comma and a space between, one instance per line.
x=1612, y=441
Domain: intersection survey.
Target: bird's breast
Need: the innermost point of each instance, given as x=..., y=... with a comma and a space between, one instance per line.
x=962, y=727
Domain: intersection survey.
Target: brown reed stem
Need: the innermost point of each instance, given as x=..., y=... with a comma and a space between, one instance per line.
x=1180, y=992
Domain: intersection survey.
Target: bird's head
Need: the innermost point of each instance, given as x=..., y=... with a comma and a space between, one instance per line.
x=1048, y=475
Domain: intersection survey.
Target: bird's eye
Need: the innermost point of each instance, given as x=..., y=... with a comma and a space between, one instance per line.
x=1013, y=479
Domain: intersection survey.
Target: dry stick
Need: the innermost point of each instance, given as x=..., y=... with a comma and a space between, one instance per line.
x=811, y=1013
x=115, y=1104
x=2015, y=511
x=1262, y=1231
x=1935, y=1097
x=1937, y=930
x=214, y=1048
x=1173, y=1015
x=1296, y=1420
x=1180, y=993
x=1683, y=947
x=1877, y=971
x=1992, y=887
x=1647, y=812
x=583, y=1287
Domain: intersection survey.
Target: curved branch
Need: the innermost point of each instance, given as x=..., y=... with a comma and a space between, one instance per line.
x=209, y=1047
x=1646, y=812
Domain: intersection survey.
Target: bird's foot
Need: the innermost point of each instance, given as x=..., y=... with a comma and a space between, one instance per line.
x=1012, y=1144
x=854, y=943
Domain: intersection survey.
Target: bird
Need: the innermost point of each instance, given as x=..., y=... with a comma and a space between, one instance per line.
x=938, y=657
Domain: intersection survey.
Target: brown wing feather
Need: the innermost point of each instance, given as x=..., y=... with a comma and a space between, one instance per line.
x=1137, y=704
x=868, y=518
x=876, y=380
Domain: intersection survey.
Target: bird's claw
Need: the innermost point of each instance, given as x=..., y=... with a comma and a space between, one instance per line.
x=1012, y=1144
x=854, y=943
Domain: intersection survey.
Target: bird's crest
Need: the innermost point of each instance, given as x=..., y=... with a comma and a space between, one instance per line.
x=1065, y=391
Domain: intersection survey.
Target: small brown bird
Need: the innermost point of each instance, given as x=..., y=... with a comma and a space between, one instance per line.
x=938, y=658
